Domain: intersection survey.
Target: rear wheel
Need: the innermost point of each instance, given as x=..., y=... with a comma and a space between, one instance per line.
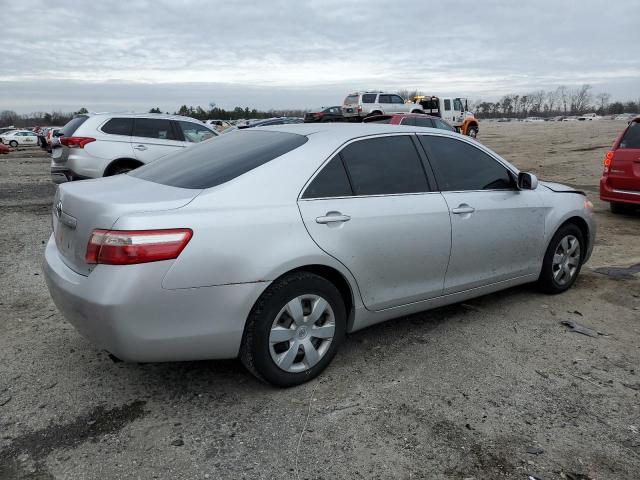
x=294, y=330
x=563, y=260
x=13, y=144
x=121, y=166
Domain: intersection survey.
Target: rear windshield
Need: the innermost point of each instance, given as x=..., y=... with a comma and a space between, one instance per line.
x=379, y=120
x=220, y=159
x=631, y=137
x=351, y=99
x=73, y=124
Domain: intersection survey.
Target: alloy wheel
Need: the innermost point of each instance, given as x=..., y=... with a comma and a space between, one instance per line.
x=566, y=260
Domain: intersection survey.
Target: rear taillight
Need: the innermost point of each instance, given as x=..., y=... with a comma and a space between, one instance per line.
x=608, y=158
x=127, y=247
x=76, y=142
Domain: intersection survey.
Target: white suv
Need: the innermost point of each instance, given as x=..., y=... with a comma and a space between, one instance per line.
x=104, y=144
x=364, y=104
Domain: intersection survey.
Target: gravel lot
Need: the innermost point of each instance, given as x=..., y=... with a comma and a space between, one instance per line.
x=494, y=388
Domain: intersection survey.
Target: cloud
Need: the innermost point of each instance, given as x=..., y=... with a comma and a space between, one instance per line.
x=325, y=46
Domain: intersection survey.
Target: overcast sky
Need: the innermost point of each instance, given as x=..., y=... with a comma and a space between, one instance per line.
x=137, y=54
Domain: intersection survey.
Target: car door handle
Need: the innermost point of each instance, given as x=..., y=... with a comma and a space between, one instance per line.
x=462, y=209
x=332, y=217
x=140, y=147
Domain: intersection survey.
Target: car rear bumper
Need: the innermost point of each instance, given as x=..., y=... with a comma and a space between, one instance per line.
x=125, y=310
x=610, y=194
x=62, y=175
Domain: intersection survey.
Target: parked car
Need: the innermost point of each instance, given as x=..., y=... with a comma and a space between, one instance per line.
x=620, y=182
x=4, y=130
x=324, y=114
x=275, y=241
x=589, y=117
x=4, y=148
x=105, y=144
x=19, y=137
x=359, y=105
x=411, y=119
x=51, y=138
x=533, y=120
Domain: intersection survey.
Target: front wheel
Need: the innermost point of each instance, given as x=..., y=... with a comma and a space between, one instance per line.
x=294, y=330
x=563, y=260
x=472, y=131
x=13, y=144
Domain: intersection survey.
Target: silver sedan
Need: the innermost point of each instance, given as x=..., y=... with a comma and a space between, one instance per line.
x=270, y=244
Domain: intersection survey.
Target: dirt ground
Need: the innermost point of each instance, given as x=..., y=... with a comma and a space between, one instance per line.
x=496, y=388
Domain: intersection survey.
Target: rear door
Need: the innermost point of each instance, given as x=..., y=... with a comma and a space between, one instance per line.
x=624, y=173
x=154, y=138
x=371, y=208
x=497, y=231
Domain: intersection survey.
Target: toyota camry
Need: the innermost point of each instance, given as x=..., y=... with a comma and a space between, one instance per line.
x=270, y=244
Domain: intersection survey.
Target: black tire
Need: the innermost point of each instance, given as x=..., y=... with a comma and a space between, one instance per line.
x=255, y=350
x=374, y=113
x=621, y=208
x=13, y=144
x=547, y=282
x=472, y=132
x=121, y=166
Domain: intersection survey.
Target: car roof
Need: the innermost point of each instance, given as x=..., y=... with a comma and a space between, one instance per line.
x=163, y=116
x=346, y=131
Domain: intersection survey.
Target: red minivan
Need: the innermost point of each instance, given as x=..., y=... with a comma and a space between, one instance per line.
x=620, y=182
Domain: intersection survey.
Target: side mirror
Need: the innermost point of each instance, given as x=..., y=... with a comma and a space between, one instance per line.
x=527, y=181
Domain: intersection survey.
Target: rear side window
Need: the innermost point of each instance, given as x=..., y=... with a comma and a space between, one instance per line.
x=411, y=121
x=332, y=181
x=384, y=99
x=72, y=125
x=369, y=98
x=222, y=159
x=460, y=166
x=153, y=128
x=384, y=165
x=631, y=137
x=118, y=126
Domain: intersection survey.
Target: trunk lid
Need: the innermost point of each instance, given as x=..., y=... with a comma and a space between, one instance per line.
x=80, y=207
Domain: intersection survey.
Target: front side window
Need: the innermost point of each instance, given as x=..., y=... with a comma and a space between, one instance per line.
x=153, y=128
x=397, y=99
x=332, y=181
x=195, y=133
x=631, y=137
x=118, y=126
x=212, y=163
x=384, y=165
x=460, y=166
x=457, y=104
x=369, y=98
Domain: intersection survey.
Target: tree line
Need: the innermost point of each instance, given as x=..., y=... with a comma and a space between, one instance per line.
x=561, y=101
x=541, y=103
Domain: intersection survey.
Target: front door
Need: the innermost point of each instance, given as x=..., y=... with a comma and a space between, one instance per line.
x=371, y=208
x=497, y=231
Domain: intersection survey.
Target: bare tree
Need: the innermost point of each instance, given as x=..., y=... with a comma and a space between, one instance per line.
x=603, y=101
x=563, y=96
x=580, y=98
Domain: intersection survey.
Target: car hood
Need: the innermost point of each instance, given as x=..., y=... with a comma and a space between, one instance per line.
x=560, y=188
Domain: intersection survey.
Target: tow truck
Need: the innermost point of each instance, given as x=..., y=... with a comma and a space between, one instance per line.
x=453, y=110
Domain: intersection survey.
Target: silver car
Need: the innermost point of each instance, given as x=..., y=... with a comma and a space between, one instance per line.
x=272, y=243
x=104, y=144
